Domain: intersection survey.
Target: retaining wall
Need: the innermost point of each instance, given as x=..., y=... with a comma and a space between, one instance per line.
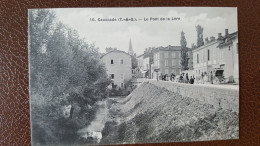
x=220, y=96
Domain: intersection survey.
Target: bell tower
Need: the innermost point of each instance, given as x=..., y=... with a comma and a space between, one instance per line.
x=130, y=50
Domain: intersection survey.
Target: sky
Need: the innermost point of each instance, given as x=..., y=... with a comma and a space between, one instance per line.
x=144, y=34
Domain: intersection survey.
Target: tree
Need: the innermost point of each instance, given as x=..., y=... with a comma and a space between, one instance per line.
x=109, y=49
x=184, y=52
x=64, y=70
x=41, y=24
x=134, y=62
x=200, y=41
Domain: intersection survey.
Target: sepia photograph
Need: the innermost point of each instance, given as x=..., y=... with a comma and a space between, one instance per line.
x=106, y=76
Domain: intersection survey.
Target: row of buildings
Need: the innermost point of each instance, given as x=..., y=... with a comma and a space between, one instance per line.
x=165, y=60
x=215, y=54
x=220, y=53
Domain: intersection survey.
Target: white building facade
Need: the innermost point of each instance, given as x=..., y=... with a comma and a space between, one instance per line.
x=205, y=58
x=119, y=67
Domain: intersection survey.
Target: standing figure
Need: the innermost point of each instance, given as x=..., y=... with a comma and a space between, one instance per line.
x=157, y=76
x=211, y=77
x=187, y=78
x=191, y=80
x=202, y=78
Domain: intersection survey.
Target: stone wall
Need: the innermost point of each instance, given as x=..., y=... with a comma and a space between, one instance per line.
x=220, y=96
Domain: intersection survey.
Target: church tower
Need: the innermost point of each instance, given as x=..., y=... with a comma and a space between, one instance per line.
x=130, y=50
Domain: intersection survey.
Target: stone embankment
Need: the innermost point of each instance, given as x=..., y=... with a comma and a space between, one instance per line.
x=220, y=96
x=160, y=112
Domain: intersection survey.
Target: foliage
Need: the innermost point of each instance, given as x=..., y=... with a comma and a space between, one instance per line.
x=184, y=52
x=64, y=70
x=200, y=41
x=134, y=62
x=121, y=91
x=109, y=49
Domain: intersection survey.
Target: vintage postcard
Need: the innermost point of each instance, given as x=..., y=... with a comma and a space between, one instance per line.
x=101, y=76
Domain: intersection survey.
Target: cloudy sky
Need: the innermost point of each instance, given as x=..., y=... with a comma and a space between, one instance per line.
x=146, y=34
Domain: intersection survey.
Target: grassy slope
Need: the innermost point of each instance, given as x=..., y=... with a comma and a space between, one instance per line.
x=154, y=114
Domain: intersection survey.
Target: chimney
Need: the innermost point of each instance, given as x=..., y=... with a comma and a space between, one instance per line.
x=206, y=39
x=212, y=38
x=219, y=35
x=226, y=32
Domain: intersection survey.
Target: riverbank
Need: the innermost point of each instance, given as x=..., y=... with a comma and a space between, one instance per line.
x=92, y=134
x=152, y=114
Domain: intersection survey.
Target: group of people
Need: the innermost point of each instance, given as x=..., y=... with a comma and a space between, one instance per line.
x=185, y=78
x=182, y=78
x=210, y=77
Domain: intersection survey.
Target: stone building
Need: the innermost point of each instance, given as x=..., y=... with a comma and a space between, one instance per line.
x=205, y=58
x=220, y=53
x=140, y=60
x=228, y=58
x=119, y=66
x=166, y=60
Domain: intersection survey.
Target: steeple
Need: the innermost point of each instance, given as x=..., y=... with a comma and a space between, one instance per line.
x=130, y=50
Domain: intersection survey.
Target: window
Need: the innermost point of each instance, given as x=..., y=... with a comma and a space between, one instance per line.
x=112, y=76
x=173, y=62
x=174, y=71
x=173, y=55
x=122, y=61
x=203, y=56
x=166, y=55
x=122, y=76
x=112, y=61
x=166, y=71
x=122, y=84
x=208, y=55
x=228, y=48
x=198, y=58
x=166, y=63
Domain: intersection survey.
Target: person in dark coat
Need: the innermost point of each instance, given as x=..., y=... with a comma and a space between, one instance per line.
x=187, y=78
x=191, y=80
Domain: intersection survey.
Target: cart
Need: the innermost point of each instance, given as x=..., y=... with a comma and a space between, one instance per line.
x=219, y=76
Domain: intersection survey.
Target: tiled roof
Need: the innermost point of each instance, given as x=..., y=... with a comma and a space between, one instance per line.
x=118, y=51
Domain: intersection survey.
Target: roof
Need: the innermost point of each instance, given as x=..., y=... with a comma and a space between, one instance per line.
x=140, y=55
x=115, y=51
x=220, y=40
x=169, y=48
x=206, y=45
x=227, y=40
